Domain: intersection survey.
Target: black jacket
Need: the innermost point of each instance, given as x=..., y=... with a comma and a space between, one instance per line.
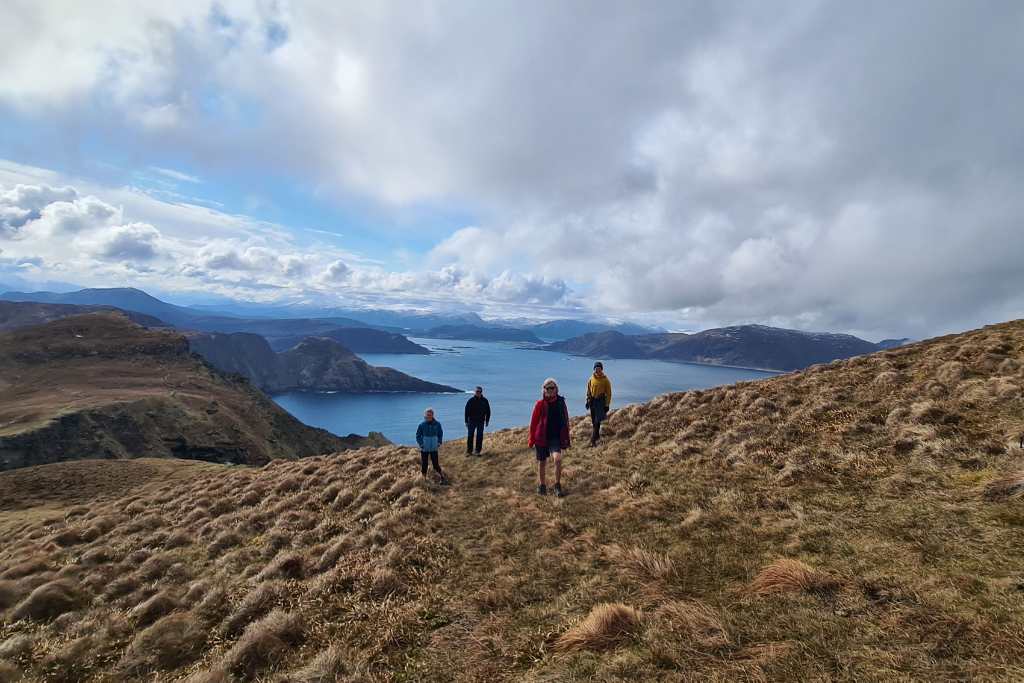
x=478, y=410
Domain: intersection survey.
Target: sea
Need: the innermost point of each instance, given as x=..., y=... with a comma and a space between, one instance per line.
x=511, y=375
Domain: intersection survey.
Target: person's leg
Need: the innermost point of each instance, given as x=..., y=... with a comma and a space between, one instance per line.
x=469, y=438
x=479, y=438
x=557, y=455
x=542, y=472
x=423, y=463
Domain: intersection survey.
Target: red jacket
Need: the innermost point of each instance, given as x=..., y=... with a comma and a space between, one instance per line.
x=539, y=423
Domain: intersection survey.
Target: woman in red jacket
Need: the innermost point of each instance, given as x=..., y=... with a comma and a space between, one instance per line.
x=549, y=434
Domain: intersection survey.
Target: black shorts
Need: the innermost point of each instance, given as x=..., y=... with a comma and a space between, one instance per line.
x=554, y=445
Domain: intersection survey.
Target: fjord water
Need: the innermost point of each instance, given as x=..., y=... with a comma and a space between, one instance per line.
x=511, y=377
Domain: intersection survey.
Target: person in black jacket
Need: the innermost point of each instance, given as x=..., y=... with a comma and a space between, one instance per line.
x=478, y=415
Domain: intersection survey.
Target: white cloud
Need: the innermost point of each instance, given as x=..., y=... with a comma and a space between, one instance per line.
x=133, y=242
x=175, y=175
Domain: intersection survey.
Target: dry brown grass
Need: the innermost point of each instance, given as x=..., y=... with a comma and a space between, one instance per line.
x=787, y=575
x=1008, y=487
x=258, y=602
x=690, y=625
x=170, y=643
x=49, y=601
x=687, y=498
x=264, y=643
x=327, y=666
x=606, y=626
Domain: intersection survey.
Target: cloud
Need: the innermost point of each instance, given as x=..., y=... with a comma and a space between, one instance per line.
x=819, y=163
x=175, y=175
x=132, y=242
x=338, y=271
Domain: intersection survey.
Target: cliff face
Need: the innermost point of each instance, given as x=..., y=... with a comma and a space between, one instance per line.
x=318, y=363
x=99, y=386
x=314, y=364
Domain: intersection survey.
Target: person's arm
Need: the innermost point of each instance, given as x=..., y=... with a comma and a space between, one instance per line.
x=419, y=435
x=466, y=411
x=534, y=419
x=608, y=403
x=487, y=412
x=590, y=394
x=440, y=433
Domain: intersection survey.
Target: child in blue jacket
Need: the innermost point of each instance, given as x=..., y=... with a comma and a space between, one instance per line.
x=429, y=436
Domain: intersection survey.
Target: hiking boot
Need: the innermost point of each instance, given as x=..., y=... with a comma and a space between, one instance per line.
x=542, y=490
x=478, y=454
x=558, y=491
x=443, y=480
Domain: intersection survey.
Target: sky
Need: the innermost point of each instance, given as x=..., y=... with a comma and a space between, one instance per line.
x=828, y=166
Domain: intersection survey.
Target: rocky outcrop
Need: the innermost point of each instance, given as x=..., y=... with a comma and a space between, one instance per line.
x=318, y=363
x=99, y=386
x=314, y=364
x=357, y=340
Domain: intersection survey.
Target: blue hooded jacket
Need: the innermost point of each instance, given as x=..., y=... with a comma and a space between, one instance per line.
x=429, y=435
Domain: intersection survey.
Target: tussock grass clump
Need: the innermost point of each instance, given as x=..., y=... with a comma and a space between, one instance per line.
x=606, y=626
x=179, y=539
x=10, y=593
x=25, y=568
x=286, y=566
x=384, y=581
x=326, y=667
x=16, y=647
x=152, y=609
x=171, y=642
x=223, y=541
x=258, y=602
x=641, y=563
x=214, y=605
x=264, y=643
x=1005, y=488
x=787, y=575
x=49, y=601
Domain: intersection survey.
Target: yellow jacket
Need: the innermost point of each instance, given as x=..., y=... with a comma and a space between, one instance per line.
x=600, y=386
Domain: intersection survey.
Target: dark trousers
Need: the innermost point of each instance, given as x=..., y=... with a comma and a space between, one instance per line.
x=433, y=461
x=598, y=412
x=479, y=429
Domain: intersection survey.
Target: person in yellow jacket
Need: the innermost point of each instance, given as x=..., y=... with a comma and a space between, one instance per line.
x=599, y=399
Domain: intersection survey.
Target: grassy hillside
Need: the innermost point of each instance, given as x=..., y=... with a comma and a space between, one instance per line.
x=99, y=386
x=857, y=521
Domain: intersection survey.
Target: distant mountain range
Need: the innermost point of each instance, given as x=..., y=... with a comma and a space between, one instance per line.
x=478, y=333
x=567, y=329
x=293, y=323
x=755, y=346
x=749, y=346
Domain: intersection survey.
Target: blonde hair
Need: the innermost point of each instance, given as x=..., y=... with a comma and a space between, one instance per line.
x=549, y=380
